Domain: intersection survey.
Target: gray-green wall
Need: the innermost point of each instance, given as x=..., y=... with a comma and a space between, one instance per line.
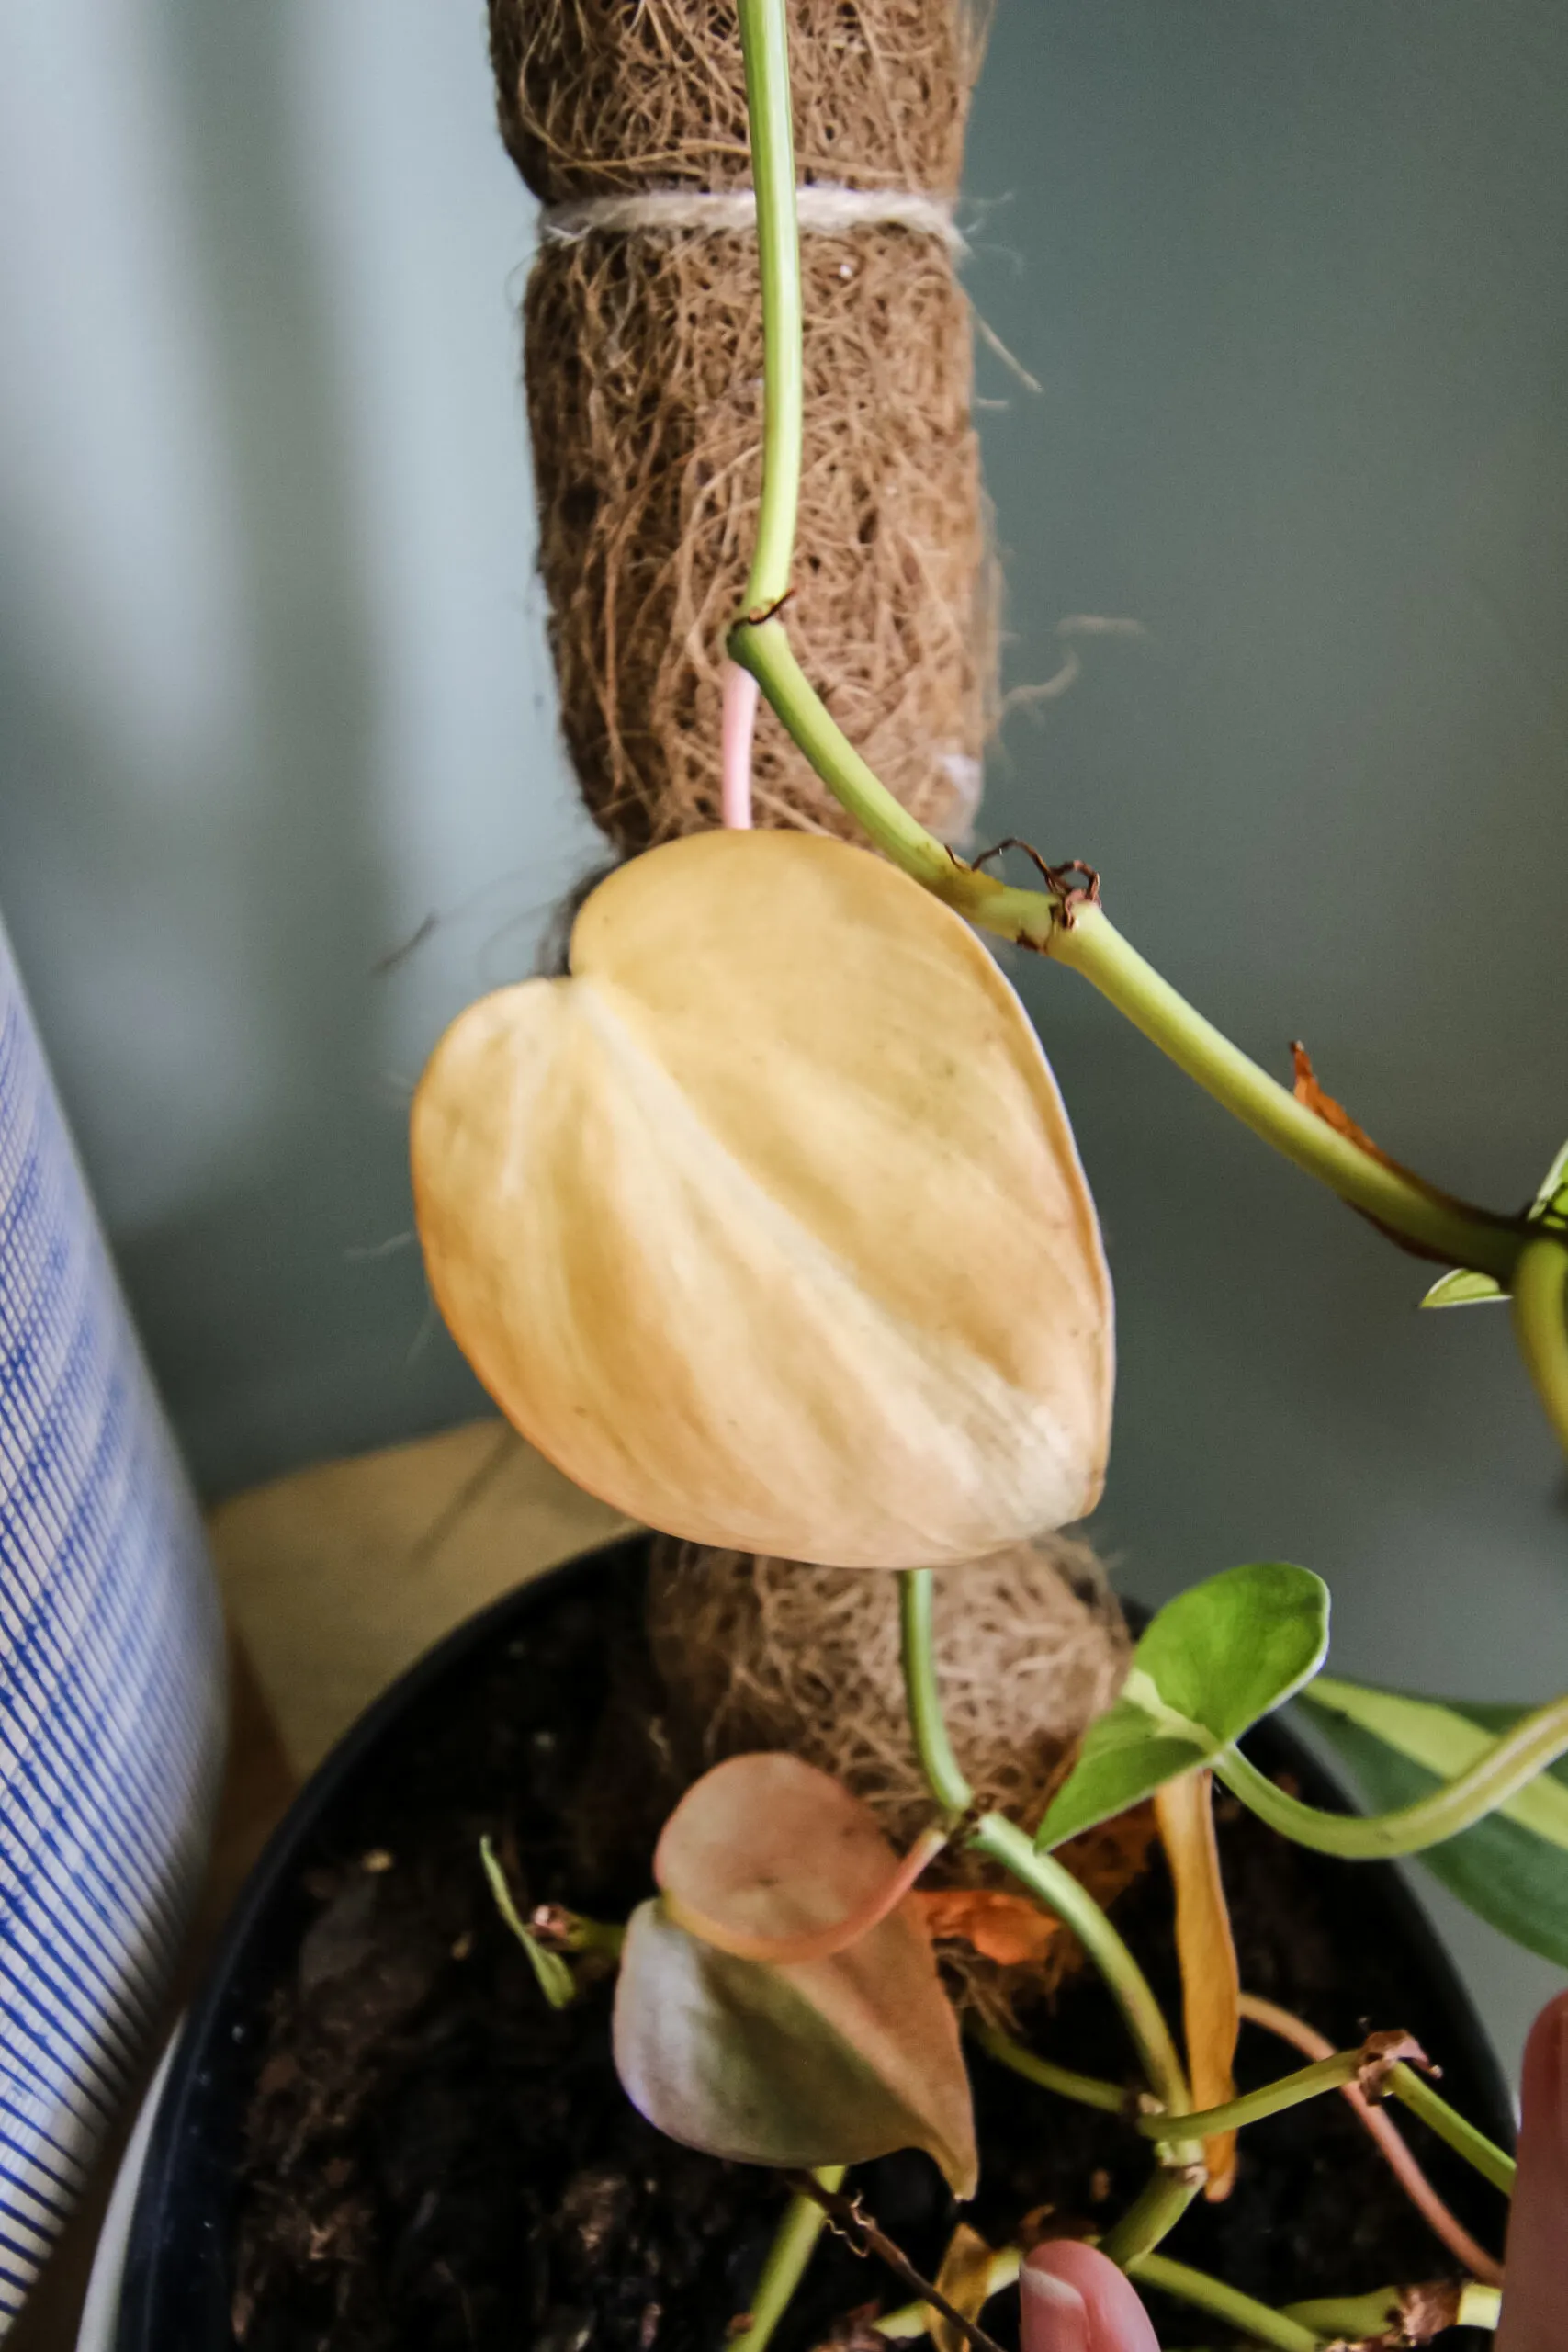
x=1291, y=279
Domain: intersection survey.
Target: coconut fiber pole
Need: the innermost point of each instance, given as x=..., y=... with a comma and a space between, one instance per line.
x=643, y=339
x=643, y=345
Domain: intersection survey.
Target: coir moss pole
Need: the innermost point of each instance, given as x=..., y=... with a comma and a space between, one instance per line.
x=644, y=366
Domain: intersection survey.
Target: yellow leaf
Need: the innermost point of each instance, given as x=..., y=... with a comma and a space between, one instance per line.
x=766, y=1225
x=965, y=2279
x=1210, y=1984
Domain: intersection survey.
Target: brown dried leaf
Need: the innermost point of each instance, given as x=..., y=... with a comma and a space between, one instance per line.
x=1381, y=2052
x=1426, y=2311
x=1006, y=1929
x=1332, y=1113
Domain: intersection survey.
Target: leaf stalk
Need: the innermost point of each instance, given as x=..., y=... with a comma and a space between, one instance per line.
x=1540, y=1325
x=765, y=41
x=793, y=2244
x=1508, y=1765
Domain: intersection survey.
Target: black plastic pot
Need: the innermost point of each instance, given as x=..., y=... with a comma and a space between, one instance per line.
x=177, y=2288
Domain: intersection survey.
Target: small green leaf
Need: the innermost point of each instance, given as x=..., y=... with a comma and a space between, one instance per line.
x=556, y=1979
x=1512, y=1867
x=1462, y=1288
x=1212, y=1663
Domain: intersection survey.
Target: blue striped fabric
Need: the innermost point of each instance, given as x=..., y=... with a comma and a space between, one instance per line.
x=111, y=1674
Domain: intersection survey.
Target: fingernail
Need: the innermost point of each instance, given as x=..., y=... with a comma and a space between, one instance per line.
x=1046, y=2293
x=1053, y=2316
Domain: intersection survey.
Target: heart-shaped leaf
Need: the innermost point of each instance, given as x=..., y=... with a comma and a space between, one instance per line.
x=767, y=1223
x=1213, y=1662
x=829, y=2060
x=771, y=1859
x=1512, y=1867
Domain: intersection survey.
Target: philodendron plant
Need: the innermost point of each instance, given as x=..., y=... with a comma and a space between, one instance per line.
x=766, y=1224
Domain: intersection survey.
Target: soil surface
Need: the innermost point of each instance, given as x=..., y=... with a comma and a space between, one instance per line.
x=436, y=2160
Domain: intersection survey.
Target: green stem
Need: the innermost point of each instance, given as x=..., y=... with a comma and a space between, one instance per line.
x=765, y=650
x=1087, y=2090
x=1472, y=1237
x=791, y=2250
x=1177, y=2279
x=1291, y=2090
x=1253, y=2320
x=1505, y=1767
x=1161, y=2203
x=764, y=40
x=1154, y=2212
x=1054, y=1886
x=1409, y=2089
x=1173, y=2188
x=927, y=1723
x=1540, y=1325
x=761, y=644
x=580, y=1934
x=1274, y=2099
x=1091, y=945
x=1043, y=1876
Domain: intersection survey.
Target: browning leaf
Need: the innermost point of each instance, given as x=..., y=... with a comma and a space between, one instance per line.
x=1211, y=1983
x=741, y=1862
x=1314, y=1097
x=1007, y=1929
x=830, y=2060
x=1307, y=1091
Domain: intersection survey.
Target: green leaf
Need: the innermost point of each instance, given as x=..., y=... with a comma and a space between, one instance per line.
x=834, y=2059
x=555, y=1978
x=1212, y=1663
x=1462, y=1288
x=1511, y=1867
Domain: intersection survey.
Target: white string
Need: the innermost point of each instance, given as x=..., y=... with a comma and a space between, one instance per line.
x=824, y=211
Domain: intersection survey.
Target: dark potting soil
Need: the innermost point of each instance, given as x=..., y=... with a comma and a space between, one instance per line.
x=434, y=2158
